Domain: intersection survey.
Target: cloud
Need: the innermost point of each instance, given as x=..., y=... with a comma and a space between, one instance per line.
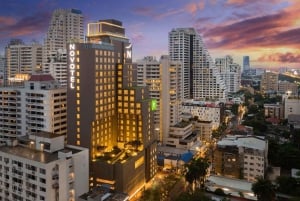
x=280, y=57
x=144, y=11
x=7, y=21
x=269, y=30
x=235, y=2
x=193, y=8
x=137, y=37
x=190, y=8
x=27, y=26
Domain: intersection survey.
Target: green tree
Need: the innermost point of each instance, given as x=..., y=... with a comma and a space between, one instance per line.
x=235, y=108
x=196, y=172
x=263, y=189
x=198, y=195
x=287, y=185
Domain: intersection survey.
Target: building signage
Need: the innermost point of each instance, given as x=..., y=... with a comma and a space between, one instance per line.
x=72, y=66
x=128, y=51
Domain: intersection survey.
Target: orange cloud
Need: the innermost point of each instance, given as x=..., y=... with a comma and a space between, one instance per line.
x=194, y=7
x=235, y=1
x=29, y=25
x=265, y=31
x=4, y=20
x=191, y=8
x=288, y=57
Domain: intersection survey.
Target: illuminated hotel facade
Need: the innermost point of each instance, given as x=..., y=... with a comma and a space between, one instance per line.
x=107, y=112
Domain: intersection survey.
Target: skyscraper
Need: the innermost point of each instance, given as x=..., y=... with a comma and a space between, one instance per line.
x=107, y=112
x=246, y=63
x=230, y=73
x=2, y=66
x=200, y=78
x=163, y=78
x=66, y=26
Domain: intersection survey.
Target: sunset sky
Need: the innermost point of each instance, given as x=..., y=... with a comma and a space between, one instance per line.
x=266, y=30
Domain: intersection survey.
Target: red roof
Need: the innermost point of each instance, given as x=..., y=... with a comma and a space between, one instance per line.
x=41, y=77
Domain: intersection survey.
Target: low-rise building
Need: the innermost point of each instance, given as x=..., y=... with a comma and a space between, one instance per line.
x=205, y=129
x=204, y=111
x=241, y=157
x=291, y=106
x=274, y=111
x=182, y=136
x=285, y=86
x=103, y=193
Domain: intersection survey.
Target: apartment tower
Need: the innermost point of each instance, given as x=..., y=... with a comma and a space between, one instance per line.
x=66, y=25
x=200, y=78
x=163, y=79
x=21, y=58
x=230, y=73
x=38, y=105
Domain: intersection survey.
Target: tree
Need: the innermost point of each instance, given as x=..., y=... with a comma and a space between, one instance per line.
x=287, y=185
x=196, y=172
x=263, y=189
x=198, y=195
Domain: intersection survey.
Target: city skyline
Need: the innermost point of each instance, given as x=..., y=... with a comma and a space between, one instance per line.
x=267, y=31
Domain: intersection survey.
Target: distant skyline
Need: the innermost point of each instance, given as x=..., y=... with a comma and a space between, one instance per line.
x=266, y=30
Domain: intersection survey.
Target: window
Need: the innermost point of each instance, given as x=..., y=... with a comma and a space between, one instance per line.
x=42, y=171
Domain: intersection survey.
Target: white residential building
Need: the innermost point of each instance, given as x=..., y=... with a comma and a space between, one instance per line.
x=21, y=58
x=291, y=106
x=204, y=111
x=182, y=136
x=66, y=26
x=200, y=77
x=230, y=73
x=41, y=167
x=39, y=105
x=163, y=79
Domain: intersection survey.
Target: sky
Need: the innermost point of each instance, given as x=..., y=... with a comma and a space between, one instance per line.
x=266, y=30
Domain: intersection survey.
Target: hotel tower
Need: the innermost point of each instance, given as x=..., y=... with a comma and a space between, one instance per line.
x=107, y=112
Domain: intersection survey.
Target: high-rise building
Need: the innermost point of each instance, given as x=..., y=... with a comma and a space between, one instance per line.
x=66, y=26
x=269, y=82
x=163, y=79
x=107, y=112
x=230, y=73
x=246, y=63
x=21, y=58
x=42, y=167
x=38, y=105
x=2, y=67
x=200, y=77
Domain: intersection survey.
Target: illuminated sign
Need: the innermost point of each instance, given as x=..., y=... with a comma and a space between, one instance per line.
x=72, y=66
x=128, y=51
x=153, y=105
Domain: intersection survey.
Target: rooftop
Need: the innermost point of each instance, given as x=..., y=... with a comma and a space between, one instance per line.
x=41, y=77
x=253, y=142
x=35, y=155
